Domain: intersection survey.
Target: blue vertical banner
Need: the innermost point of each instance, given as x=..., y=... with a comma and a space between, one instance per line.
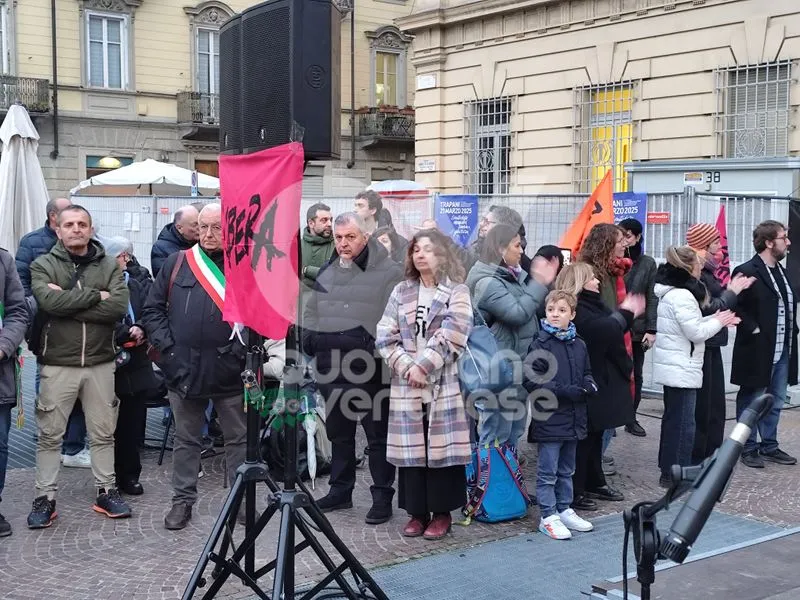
x=457, y=217
x=630, y=205
x=195, y=192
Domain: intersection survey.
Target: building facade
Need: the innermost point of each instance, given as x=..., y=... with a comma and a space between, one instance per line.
x=545, y=96
x=139, y=79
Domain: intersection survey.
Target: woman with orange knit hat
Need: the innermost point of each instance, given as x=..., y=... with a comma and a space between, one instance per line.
x=709, y=411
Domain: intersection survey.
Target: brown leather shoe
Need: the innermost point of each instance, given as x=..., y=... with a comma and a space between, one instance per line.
x=416, y=526
x=439, y=527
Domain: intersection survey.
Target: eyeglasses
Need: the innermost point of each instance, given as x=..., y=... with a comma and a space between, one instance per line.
x=215, y=229
x=783, y=237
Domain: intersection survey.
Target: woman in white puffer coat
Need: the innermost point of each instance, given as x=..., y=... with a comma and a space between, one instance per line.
x=679, y=350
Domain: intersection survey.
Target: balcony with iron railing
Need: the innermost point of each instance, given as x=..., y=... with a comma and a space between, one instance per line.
x=33, y=94
x=198, y=108
x=385, y=126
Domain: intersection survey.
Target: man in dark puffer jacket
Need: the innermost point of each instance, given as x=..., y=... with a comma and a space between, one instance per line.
x=181, y=234
x=199, y=361
x=339, y=325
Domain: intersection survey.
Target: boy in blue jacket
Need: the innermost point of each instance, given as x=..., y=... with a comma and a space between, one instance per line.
x=558, y=378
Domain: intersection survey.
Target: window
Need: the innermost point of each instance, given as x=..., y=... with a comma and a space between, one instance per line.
x=108, y=55
x=386, y=78
x=603, y=135
x=388, y=50
x=753, y=110
x=5, y=54
x=207, y=61
x=97, y=165
x=207, y=167
x=488, y=146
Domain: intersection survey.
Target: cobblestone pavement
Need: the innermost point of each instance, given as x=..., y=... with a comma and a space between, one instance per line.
x=86, y=556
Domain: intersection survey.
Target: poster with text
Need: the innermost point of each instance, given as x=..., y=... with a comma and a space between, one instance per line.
x=457, y=217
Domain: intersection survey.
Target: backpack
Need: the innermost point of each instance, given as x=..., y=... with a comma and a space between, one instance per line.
x=478, y=366
x=495, y=486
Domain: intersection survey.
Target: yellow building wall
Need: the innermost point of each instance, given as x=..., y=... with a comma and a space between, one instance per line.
x=162, y=50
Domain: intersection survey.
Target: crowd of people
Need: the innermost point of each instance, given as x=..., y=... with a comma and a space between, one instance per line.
x=384, y=321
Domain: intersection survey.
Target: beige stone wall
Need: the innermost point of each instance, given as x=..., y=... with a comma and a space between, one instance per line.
x=539, y=52
x=141, y=121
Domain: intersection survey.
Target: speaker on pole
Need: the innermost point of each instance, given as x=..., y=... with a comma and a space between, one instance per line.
x=280, y=64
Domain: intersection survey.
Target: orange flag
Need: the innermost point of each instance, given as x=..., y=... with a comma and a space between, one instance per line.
x=599, y=208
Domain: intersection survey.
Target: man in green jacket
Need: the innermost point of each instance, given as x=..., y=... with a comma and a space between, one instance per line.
x=317, y=242
x=83, y=294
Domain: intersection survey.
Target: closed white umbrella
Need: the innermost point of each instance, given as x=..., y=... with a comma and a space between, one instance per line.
x=23, y=191
x=147, y=173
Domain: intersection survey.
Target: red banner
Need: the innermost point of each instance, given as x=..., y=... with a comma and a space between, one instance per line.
x=260, y=225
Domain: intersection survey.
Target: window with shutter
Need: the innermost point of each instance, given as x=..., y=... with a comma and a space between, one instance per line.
x=107, y=54
x=4, y=52
x=753, y=110
x=487, y=168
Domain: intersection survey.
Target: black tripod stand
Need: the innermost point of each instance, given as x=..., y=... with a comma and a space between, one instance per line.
x=293, y=502
x=641, y=519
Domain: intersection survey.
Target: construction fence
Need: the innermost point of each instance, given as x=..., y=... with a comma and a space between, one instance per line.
x=546, y=217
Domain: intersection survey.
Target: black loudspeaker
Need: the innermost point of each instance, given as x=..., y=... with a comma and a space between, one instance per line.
x=280, y=78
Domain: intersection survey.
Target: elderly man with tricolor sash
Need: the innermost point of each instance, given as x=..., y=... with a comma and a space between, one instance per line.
x=199, y=357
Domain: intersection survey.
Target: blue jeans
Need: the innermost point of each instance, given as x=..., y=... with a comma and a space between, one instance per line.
x=677, y=428
x=75, y=435
x=608, y=435
x=5, y=427
x=767, y=427
x=554, y=476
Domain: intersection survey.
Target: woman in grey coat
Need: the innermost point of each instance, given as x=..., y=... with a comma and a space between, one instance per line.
x=507, y=298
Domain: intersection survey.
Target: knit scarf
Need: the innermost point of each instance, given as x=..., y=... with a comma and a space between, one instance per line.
x=564, y=335
x=619, y=267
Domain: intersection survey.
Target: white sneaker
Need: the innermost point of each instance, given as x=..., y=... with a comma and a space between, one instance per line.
x=553, y=527
x=82, y=460
x=571, y=520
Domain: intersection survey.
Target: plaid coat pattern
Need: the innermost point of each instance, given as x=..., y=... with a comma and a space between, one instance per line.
x=449, y=326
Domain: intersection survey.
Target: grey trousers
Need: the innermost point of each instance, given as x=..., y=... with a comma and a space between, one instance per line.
x=189, y=420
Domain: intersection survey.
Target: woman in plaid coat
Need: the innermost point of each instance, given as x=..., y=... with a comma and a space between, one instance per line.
x=423, y=331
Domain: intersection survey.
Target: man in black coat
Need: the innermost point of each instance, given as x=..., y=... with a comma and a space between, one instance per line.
x=181, y=234
x=199, y=361
x=339, y=324
x=135, y=380
x=765, y=350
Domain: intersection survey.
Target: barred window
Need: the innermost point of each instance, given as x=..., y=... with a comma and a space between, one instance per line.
x=602, y=135
x=753, y=110
x=487, y=165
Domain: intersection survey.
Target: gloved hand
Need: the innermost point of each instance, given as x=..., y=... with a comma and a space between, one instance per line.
x=573, y=392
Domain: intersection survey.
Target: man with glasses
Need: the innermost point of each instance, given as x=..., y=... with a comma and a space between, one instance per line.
x=765, y=350
x=502, y=215
x=199, y=360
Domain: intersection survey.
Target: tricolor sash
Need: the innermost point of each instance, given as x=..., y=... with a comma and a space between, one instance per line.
x=207, y=274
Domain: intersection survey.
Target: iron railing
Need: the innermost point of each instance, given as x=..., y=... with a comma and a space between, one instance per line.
x=396, y=126
x=198, y=108
x=33, y=94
